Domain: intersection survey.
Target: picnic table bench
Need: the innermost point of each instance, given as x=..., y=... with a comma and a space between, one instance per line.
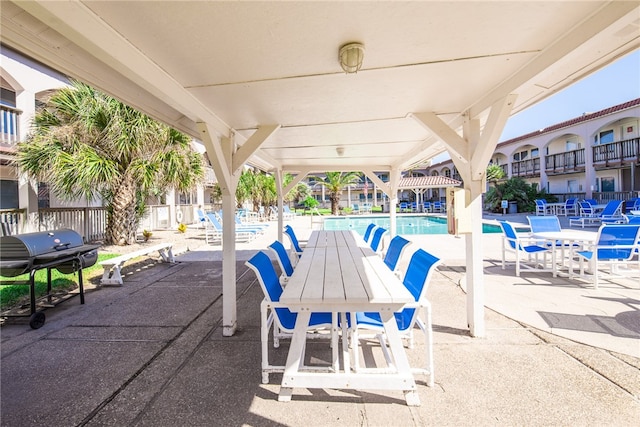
x=113, y=266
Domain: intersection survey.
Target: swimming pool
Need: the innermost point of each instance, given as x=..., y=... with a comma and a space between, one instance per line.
x=405, y=224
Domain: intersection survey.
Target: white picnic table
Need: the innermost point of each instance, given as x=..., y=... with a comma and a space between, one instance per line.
x=339, y=273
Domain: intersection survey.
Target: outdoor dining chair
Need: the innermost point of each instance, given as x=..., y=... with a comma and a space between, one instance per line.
x=541, y=207
x=295, y=244
x=524, y=248
x=437, y=207
x=397, y=245
x=377, y=243
x=616, y=245
x=368, y=231
x=426, y=207
x=416, y=279
x=570, y=206
x=272, y=313
x=286, y=268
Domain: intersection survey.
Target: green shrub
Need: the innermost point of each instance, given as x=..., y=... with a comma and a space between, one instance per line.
x=516, y=190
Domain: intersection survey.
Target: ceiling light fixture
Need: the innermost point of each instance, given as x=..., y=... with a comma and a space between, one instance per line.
x=351, y=56
x=340, y=151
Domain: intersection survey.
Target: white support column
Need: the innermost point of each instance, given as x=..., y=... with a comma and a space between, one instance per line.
x=278, y=177
x=171, y=203
x=229, y=312
x=28, y=200
x=474, y=258
x=394, y=180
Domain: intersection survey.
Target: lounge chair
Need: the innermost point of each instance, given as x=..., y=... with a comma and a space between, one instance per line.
x=416, y=280
x=612, y=213
x=616, y=245
x=287, y=214
x=216, y=227
x=278, y=315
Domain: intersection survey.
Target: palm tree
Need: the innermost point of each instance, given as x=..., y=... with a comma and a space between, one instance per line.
x=86, y=145
x=335, y=182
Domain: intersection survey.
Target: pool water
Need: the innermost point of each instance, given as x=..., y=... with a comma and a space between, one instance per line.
x=405, y=224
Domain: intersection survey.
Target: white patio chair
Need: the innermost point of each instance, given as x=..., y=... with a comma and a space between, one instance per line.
x=416, y=280
x=525, y=248
x=272, y=313
x=616, y=246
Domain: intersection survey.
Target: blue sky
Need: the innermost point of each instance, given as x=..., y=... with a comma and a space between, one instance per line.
x=617, y=83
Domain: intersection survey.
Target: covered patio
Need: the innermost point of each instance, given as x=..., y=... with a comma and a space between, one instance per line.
x=262, y=83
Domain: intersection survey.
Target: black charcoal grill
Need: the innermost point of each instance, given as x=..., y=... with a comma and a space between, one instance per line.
x=62, y=249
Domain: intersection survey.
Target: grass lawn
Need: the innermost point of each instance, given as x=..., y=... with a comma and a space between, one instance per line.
x=13, y=295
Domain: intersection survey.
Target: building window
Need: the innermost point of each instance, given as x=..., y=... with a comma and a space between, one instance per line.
x=604, y=137
x=535, y=152
x=44, y=195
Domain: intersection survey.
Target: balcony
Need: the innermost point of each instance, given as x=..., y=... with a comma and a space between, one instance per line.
x=9, y=126
x=563, y=163
x=616, y=154
x=526, y=168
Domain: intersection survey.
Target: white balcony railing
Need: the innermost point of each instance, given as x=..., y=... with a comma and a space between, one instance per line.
x=9, y=125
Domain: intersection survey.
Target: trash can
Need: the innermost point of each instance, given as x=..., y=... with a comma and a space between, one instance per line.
x=513, y=207
x=385, y=207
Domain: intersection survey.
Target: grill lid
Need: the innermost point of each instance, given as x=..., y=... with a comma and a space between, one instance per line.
x=29, y=245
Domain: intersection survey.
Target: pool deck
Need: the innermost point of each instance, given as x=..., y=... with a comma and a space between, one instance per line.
x=151, y=353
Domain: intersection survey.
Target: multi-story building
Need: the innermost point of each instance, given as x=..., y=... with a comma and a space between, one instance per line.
x=596, y=155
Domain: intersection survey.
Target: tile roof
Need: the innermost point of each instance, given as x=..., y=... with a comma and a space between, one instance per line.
x=432, y=181
x=574, y=121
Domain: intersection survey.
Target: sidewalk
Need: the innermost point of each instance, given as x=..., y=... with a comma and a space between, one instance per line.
x=152, y=353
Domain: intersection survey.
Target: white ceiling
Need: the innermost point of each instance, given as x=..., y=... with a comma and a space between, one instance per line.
x=240, y=65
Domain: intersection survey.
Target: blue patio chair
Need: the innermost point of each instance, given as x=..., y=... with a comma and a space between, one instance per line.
x=522, y=246
x=367, y=232
x=541, y=224
x=201, y=217
x=404, y=207
x=438, y=207
x=631, y=205
x=286, y=268
x=586, y=211
x=397, y=246
x=272, y=313
x=414, y=207
x=592, y=202
x=426, y=207
x=615, y=245
x=377, y=239
x=541, y=207
x=295, y=244
x=416, y=280
x=570, y=206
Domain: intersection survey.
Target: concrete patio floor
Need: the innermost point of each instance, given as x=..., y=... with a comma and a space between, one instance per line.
x=556, y=352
